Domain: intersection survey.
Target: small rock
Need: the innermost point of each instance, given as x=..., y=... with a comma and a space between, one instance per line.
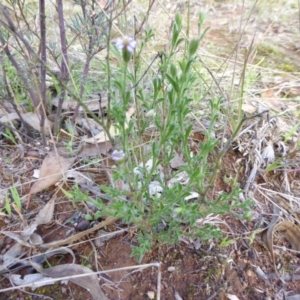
x=83, y=225
x=171, y=269
x=151, y=295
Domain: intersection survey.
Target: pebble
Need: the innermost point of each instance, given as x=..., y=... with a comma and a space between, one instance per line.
x=83, y=225
x=171, y=269
x=151, y=295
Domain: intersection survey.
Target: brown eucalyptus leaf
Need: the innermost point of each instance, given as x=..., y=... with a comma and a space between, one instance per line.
x=291, y=232
x=267, y=235
x=9, y=257
x=51, y=171
x=90, y=282
x=90, y=125
x=36, y=280
x=288, y=229
x=17, y=237
x=113, y=130
x=93, y=102
x=33, y=120
x=9, y=117
x=95, y=150
x=46, y=213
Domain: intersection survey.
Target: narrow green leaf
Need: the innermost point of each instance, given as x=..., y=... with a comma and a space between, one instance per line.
x=193, y=47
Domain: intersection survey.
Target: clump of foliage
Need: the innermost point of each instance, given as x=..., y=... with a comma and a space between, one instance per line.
x=161, y=211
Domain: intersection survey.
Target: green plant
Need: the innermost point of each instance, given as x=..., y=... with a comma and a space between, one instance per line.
x=14, y=195
x=226, y=242
x=163, y=211
x=7, y=205
x=152, y=197
x=8, y=134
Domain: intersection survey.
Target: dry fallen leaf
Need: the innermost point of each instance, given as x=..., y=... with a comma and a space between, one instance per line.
x=90, y=282
x=9, y=257
x=33, y=120
x=291, y=232
x=30, y=118
x=95, y=150
x=92, y=102
x=45, y=215
x=102, y=136
x=90, y=125
x=267, y=235
x=9, y=117
x=28, y=237
x=286, y=228
x=51, y=172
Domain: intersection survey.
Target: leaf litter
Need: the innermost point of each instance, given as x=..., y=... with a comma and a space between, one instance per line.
x=44, y=276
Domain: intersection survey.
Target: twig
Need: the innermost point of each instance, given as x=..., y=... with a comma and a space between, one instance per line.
x=90, y=55
x=10, y=26
x=42, y=68
x=13, y=30
x=9, y=91
x=21, y=73
x=64, y=63
x=153, y=60
x=146, y=16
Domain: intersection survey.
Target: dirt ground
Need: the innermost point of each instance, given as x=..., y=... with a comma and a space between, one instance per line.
x=191, y=270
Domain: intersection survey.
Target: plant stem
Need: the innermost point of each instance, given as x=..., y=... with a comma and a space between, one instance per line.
x=64, y=63
x=42, y=68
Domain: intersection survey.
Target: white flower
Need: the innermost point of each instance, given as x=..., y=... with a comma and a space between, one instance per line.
x=126, y=42
x=117, y=155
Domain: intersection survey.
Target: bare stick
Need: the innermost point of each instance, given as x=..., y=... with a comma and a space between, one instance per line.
x=64, y=73
x=42, y=68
